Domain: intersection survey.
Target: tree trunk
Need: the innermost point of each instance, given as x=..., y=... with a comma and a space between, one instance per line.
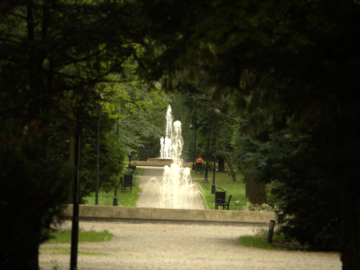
x=247, y=186
x=256, y=192
x=246, y=189
x=71, y=167
x=350, y=208
x=221, y=163
x=228, y=161
x=231, y=167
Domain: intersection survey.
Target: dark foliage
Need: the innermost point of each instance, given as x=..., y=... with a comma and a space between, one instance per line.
x=52, y=55
x=111, y=154
x=304, y=188
x=30, y=195
x=293, y=62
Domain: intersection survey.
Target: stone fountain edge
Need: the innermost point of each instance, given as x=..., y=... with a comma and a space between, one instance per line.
x=113, y=213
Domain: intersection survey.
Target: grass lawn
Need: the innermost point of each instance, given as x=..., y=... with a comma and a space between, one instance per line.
x=279, y=242
x=124, y=199
x=65, y=236
x=224, y=181
x=257, y=242
x=66, y=251
x=219, y=176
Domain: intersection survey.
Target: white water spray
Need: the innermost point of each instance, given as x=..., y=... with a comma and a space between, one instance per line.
x=175, y=189
x=165, y=143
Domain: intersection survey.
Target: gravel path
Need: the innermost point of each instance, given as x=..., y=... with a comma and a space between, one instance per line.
x=185, y=247
x=142, y=246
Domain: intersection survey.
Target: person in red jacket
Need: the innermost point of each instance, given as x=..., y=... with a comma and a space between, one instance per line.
x=199, y=160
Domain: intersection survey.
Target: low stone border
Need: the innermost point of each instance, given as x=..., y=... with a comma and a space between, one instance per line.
x=113, y=213
x=160, y=163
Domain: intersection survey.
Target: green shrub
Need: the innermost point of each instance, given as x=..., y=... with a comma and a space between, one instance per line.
x=273, y=200
x=304, y=188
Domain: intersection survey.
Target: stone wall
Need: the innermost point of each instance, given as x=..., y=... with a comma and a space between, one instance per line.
x=98, y=212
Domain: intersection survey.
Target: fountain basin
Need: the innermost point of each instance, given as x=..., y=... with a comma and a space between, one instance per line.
x=160, y=160
x=160, y=163
x=155, y=215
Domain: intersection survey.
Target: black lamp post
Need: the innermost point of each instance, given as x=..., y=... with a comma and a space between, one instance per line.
x=207, y=158
x=101, y=98
x=115, y=201
x=75, y=219
x=213, y=185
x=193, y=166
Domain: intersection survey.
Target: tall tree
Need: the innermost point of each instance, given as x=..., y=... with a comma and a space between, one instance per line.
x=294, y=62
x=51, y=52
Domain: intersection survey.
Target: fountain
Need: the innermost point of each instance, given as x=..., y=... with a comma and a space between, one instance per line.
x=165, y=143
x=175, y=189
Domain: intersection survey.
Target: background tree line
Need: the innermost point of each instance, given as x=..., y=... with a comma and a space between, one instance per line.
x=55, y=58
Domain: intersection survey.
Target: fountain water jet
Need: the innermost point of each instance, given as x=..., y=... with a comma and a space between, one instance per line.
x=165, y=143
x=175, y=189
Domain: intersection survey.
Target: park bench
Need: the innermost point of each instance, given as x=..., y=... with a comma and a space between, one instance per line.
x=223, y=203
x=220, y=196
x=126, y=182
x=198, y=167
